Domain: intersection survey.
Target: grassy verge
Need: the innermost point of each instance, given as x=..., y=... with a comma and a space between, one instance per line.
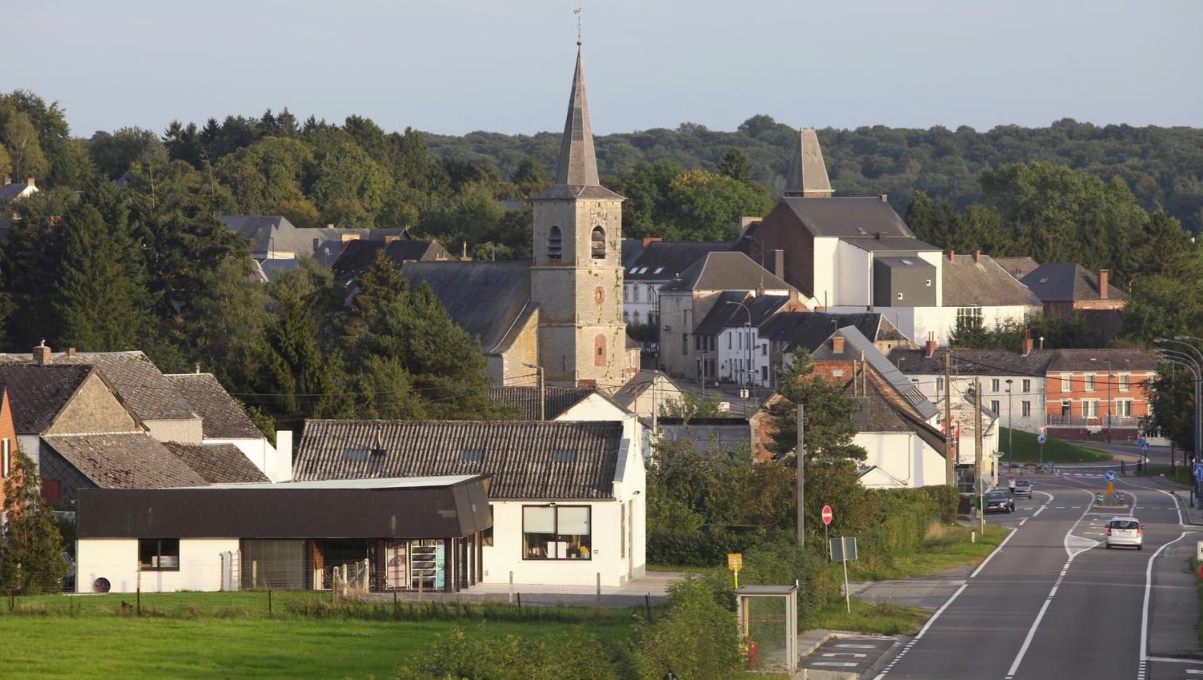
x=881, y=618
x=1028, y=450
x=945, y=547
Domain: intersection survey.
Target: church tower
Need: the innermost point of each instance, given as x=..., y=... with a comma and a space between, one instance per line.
x=576, y=276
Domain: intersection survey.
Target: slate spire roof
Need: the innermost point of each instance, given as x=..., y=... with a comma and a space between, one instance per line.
x=576, y=173
x=807, y=174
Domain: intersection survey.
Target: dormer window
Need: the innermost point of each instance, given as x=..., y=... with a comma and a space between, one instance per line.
x=597, y=243
x=555, y=244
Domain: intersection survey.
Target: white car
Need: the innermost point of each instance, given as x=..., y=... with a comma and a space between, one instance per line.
x=1125, y=531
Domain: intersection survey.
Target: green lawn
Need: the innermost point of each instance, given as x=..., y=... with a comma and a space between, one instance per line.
x=1028, y=450
x=229, y=635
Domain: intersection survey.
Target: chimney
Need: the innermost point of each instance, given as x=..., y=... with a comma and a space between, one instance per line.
x=837, y=344
x=1104, y=275
x=1027, y=343
x=880, y=235
x=31, y=182
x=977, y=256
x=952, y=256
x=648, y=240
x=41, y=354
x=779, y=263
x=884, y=198
x=929, y=350
x=8, y=179
x=70, y=352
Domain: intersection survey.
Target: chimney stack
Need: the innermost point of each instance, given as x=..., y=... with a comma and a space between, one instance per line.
x=929, y=349
x=70, y=352
x=31, y=182
x=1027, y=343
x=977, y=256
x=837, y=344
x=1104, y=275
x=648, y=240
x=8, y=179
x=884, y=198
x=41, y=354
x=952, y=256
x=779, y=263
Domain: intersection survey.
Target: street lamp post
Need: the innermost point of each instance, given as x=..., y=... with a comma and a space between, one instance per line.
x=1010, y=429
x=1193, y=361
x=1110, y=404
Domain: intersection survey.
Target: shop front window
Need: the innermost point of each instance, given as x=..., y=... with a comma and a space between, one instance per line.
x=551, y=532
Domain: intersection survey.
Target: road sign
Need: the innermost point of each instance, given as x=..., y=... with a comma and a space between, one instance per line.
x=827, y=516
x=1110, y=476
x=843, y=549
x=1041, y=439
x=1048, y=467
x=735, y=561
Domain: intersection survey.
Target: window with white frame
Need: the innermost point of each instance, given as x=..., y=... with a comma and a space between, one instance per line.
x=1123, y=408
x=1027, y=385
x=1025, y=408
x=1123, y=382
x=635, y=294
x=651, y=293
x=995, y=385
x=1065, y=382
x=5, y=457
x=1089, y=382
x=551, y=532
x=626, y=293
x=995, y=406
x=1090, y=408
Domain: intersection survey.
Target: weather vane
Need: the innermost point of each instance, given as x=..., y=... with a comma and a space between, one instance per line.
x=577, y=12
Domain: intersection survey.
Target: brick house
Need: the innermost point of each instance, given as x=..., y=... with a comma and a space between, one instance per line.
x=1098, y=393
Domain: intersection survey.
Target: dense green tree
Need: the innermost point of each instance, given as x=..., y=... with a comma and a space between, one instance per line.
x=707, y=207
x=32, y=262
x=735, y=165
x=20, y=138
x=30, y=546
x=350, y=188
x=1172, y=405
x=267, y=175
x=6, y=162
x=113, y=153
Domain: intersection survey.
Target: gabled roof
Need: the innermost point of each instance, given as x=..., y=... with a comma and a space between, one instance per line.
x=1067, y=282
x=14, y=190
x=666, y=260
x=849, y=217
x=486, y=299
x=357, y=258
x=856, y=345
x=632, y=248
x=1017, y=266
x=270, y=234
x=890, y=244
x=124, y=461
x=970, y=282
x=878, y=413
x=1102, y=360
x=807, y=173
x=223, y=417
x=972, y=362
x=576, y=172
x=217, y=463
x=809, y=330
x=726, y=271
x=727, y=312
x=556, y=400
x=37, y=394
x=528, y=460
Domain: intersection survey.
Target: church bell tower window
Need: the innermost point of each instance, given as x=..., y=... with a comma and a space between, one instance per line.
x=555, y=244
x=598, y=243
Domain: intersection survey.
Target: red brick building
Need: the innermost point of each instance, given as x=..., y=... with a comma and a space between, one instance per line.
x=1098, y=393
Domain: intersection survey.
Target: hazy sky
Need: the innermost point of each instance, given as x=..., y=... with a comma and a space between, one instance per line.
x=454, y=66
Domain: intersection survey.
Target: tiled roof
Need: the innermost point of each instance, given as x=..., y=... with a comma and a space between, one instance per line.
x=124, y=461
x=849, y=217
x=632, y=248
x=809, y=330
x=528, y=460
x=724, y=315
x=487, y=299
x=357, y=258
x=726, y=271
x=1068, y=282
x=38, y=393
x=557, y=399
x=880, y=414
x=856, y=345
x=807, y=172
x=969, y=282
x=218, y=463
x=1017, y=267
x=888, y=243
x=973, y=362
x=1102, y=360
x=137, y=381
x=665, y=260
x=223, y=417
x=11, y=192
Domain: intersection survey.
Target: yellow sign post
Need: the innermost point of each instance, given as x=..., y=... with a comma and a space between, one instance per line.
x=1110, y=489
x=735, y=562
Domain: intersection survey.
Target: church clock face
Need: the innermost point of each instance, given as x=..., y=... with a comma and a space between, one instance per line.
x=599, y=296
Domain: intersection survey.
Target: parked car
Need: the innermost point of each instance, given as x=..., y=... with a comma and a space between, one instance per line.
x=1023, y=487
x=998, y=500
x=1125, y=531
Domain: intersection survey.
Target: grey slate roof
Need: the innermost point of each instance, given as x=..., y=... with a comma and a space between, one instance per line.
x=723, y=315
x=10, y=192
x=809, y=330
x=124, y=461
x=849, y=217
x=528, y=460
x=38, y=393
x=879, y=414
x=576, y=172
x=973, y=362
x=1017, y=266
x=1097, y=360
x=807, y=171
x=1067, y=282
x=218, y=463
x=726, y=271
x=857, y=344
x=223, y=417
x=137, y=381
x=632, y=248
x=666, y=260
x=273, y=269
x=968, y=283
x=487, y=299
x=888, y=243
x=357, y=258
x=557, y=400
x=270, y=234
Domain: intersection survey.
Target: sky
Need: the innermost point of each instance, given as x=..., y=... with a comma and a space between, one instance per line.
x=456, y=66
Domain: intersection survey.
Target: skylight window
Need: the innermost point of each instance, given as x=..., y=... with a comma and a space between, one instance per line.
x=658, y=270
x=472, y=456
x=355, y=455
x=907, y=262
x=563, y=456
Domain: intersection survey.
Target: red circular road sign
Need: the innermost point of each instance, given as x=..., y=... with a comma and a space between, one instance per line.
x=827, y=514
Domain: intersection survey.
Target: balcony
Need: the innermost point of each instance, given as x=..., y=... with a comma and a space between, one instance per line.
x=1079, y=421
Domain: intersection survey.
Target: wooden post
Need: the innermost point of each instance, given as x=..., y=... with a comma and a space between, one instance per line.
x=800, y=476
x=647, y=603
x=254, y=574
x=511, y=587
x=599, y=588
x=269, y=602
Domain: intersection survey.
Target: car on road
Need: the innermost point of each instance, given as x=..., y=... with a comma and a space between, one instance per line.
x=998, y=500
x=1125, y=531
x=1023, y=487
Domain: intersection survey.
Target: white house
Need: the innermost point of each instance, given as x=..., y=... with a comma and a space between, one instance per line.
x=659, y=263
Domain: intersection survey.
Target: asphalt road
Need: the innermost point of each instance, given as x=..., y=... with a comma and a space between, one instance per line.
x=1052, y=602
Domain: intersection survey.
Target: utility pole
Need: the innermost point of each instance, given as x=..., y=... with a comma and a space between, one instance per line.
x=977, y=443
x=801, y=477
x=949, y=469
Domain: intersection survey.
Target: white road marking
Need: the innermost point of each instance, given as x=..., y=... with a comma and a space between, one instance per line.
x=848, y=646
x=841, y=664
x=1144, y=615
x=851, y=654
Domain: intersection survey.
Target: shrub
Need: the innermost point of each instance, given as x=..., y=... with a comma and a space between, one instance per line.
x=698, y=637
x=484, y=656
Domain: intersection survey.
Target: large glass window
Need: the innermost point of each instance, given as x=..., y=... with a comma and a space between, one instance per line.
x=551, y=532
x=159, y=554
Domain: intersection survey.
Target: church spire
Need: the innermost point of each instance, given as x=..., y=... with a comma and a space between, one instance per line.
x=807, y=176
x=578, y=161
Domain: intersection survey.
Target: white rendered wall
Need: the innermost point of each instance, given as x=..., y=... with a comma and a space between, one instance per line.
x=853, y=276
x=505, y=555
x=116, y=559
x=825, y=271
x=904, y=456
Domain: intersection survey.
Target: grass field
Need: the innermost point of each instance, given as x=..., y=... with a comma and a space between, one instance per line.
x=1028, y=450
x=229, y=635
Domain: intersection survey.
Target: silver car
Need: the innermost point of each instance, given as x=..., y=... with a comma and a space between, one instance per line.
x=1125, y=531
